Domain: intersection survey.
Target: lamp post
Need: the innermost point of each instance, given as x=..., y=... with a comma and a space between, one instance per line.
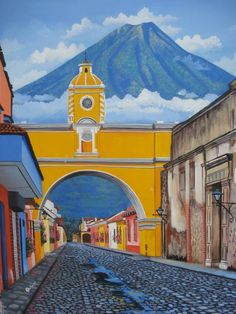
x=217, y=194
x=44, y=214
x=163, y=215
x=160, y=212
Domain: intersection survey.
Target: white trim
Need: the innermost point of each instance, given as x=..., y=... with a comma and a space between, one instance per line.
x=99, y=161
x=148, y=223
x=162, y=159
x=86, y=86
x=105, y=127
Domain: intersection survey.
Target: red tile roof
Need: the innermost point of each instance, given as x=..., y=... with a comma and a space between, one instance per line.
x=116, y=217
x=88, y=218
x=7, y=128
x=129, y=211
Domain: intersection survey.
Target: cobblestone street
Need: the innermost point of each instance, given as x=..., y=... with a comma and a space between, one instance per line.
x=91, y=280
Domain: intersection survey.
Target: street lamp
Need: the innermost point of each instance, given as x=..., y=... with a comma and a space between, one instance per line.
x=160, y=212
x=44, y=214
x=217, y=194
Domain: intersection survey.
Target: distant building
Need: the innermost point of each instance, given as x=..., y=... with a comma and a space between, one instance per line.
x=132, y=234
x=113, y=230
x=85, y=232
x=75, y=237
x=50, y=218
x=203, y=161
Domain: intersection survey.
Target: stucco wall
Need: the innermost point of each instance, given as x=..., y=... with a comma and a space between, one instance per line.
x=5, y=95
x=206, y=127
x=232, y=226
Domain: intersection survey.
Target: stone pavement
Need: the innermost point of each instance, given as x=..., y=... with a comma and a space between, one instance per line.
x=15, y=299
x=86, y=279
x=185, y=265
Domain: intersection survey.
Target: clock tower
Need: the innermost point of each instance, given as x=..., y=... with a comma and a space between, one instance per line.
x=86, y=96
x=86, y=108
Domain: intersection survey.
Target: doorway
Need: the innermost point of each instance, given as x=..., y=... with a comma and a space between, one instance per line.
x=24, y=261
x=3, y=247
x=216, y=229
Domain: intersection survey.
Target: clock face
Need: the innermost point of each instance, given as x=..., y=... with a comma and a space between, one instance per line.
x=87, y=103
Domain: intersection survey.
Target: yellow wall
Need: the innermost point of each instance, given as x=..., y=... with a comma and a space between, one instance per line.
x=125, y=144
x=110, y=143
x=75, y=237
x=122, y=244
x=46, y=143
x=101, y=231
x=162, y=143
x=39, y=251
x=46, y=245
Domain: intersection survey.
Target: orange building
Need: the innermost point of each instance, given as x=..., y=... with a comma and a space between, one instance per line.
x=6, y=93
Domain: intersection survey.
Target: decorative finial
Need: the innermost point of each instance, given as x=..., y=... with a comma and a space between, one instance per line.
x=85, y=57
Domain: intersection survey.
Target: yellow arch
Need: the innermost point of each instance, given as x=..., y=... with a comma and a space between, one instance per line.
x=131, y=156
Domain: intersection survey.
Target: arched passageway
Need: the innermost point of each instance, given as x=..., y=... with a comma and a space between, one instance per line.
x=134, y=200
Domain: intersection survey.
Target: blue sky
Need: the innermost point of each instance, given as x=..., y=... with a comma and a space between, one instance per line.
x=38, y=36
x=90, y=196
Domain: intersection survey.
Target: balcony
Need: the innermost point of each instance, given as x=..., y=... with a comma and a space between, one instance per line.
x=19, y=170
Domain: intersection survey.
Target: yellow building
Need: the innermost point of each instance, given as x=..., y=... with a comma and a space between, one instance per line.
x=75, y=237
x=131, y=155
x=121, y=235
x=85, y=234
x=39, y=250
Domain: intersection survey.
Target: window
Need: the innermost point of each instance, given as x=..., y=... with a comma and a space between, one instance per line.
x=182, y=180
x=135, y=230
x=86, y=141
x=232, y=119
x=192, y=176
x=86, y=129
x=128, y=231
x=114, y=235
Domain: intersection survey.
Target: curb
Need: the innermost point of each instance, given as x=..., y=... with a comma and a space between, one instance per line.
x=45, y=277
x=16, y=299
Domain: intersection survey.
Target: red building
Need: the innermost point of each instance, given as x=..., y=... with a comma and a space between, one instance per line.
x=132, y=235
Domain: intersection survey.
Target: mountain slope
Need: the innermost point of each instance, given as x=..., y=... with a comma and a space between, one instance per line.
x=132, y=58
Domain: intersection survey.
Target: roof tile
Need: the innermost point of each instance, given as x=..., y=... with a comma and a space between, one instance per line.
x=7, y=128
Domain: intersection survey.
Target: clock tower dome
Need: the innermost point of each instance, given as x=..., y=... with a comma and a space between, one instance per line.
x=86, y=96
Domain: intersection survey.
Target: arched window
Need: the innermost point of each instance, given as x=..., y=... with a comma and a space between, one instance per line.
x=86, y=129
x=86, y=141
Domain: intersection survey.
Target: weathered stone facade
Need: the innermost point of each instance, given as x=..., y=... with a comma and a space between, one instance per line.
x=203, y=160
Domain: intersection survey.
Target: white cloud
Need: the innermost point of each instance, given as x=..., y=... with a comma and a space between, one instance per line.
x=58, y=54
x=152, y=102
x=147, y=107
x=32, y=111
x=196, y=43
x=26, y=78
x=78, y=28
x=228, y=64
x=144, y=16
x=11, y=45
